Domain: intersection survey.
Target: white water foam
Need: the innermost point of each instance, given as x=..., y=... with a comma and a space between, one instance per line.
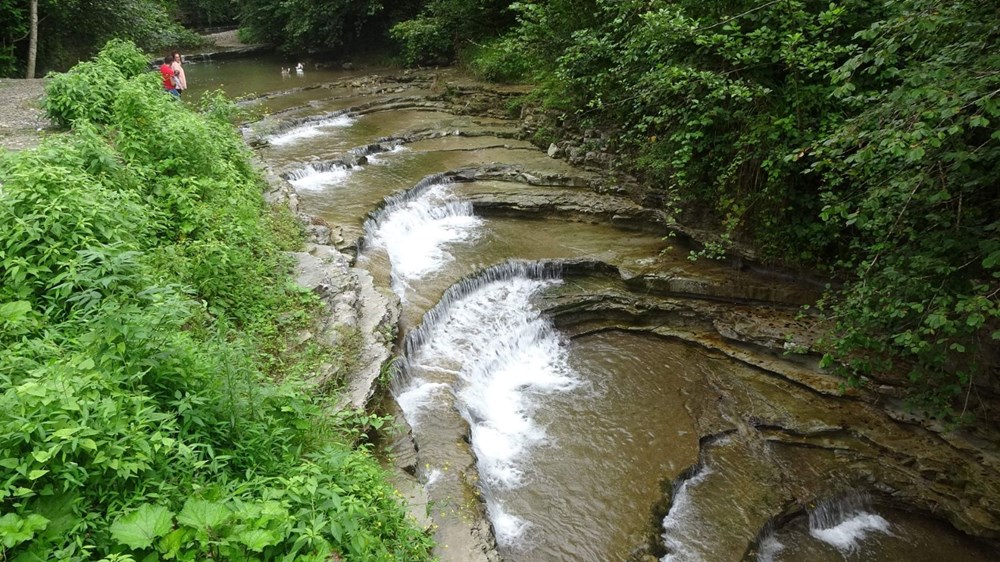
x=769, y=549
x=312, y=129
x=417, y=233
x=415, y=399
x=846, y=535
x=380, y=158
x=432, y=478
x=506, y=525
x=683, y=533
x=311, y=179
x=509, y=356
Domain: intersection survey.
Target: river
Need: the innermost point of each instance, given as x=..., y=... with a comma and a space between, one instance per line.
x=569, y=372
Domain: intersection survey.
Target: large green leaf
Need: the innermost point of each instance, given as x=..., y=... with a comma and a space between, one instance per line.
x=141, y=527
x=203, y=515
x=257, y=539
x=14, y=529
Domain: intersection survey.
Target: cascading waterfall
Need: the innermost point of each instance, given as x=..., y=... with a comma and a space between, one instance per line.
x=845, y=521
x=308, y=127
x=313, y=177
x=547, y=271
x=415, y=227
x=487, y=344
x=377, y=157
x=317, y=175
x=375, y=148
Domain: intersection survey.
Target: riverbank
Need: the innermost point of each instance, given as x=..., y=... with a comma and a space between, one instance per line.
x=153, y=291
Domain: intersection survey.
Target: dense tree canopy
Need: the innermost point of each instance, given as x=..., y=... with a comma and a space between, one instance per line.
x=305, y=25
x=71, y=30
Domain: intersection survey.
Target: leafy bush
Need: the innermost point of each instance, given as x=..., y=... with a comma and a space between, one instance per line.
x=143, y=303
x=124, y=56
x=423, y=41
x=501, y=60
x=84, y=93
x=912, y=177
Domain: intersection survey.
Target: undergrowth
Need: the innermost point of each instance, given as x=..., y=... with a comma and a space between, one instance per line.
x=154, y=405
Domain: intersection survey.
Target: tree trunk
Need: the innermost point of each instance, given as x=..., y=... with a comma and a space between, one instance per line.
x=32, y=38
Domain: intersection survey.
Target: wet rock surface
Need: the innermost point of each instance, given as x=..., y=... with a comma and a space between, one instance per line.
x=793, y=426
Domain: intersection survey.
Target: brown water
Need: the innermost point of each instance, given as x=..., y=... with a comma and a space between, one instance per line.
x=569, y=442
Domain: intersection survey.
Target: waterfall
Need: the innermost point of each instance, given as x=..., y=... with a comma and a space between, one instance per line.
x=313, y=177
x=316, y=175
x=299, y=129
x=378, y=148
x=397, y=201
x=441, y=312
x=844, y=521
x=416, y=227
x=487, y=344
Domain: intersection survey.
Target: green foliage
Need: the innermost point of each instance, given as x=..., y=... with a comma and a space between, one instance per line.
x=71, y=30
x=714, y=99
x=305, y=25
x=144, y=302
x=85, y=92
x=124, y=57
x=423, y=40
x=444, y=27
x=923, y=146
x=500, y=60
x=207, y=13
x=14, y=14
x=860, y=137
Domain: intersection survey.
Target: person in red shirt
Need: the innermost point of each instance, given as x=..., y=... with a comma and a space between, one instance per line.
x=169, y=76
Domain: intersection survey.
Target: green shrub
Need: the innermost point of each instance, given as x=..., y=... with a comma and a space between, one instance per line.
x=500, y=60
x=125, y=57
x=85, y=92
x=424, y=41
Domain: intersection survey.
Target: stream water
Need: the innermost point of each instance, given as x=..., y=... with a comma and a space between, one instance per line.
x=575, y=435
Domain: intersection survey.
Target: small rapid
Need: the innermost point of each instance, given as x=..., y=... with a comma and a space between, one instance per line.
x=684, y=537
x=415, y=228
x=309, y=128
x=490, y=347
x=315, y=177
x=845, y=522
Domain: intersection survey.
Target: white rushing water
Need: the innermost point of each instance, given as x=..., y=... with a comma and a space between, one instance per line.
x=416, y=232
x=379, y=158
x=310, y=129
x=847, y=535
x=310, y=178
x=843, y=522
x=684, y=534
x=501, y=357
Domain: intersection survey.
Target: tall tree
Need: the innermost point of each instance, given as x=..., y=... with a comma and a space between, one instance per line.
x=32, y=38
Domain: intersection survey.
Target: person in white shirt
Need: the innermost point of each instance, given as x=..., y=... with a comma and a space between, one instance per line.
x=179, y=73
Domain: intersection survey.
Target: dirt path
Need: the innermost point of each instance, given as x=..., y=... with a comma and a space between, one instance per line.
x=22, y=120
